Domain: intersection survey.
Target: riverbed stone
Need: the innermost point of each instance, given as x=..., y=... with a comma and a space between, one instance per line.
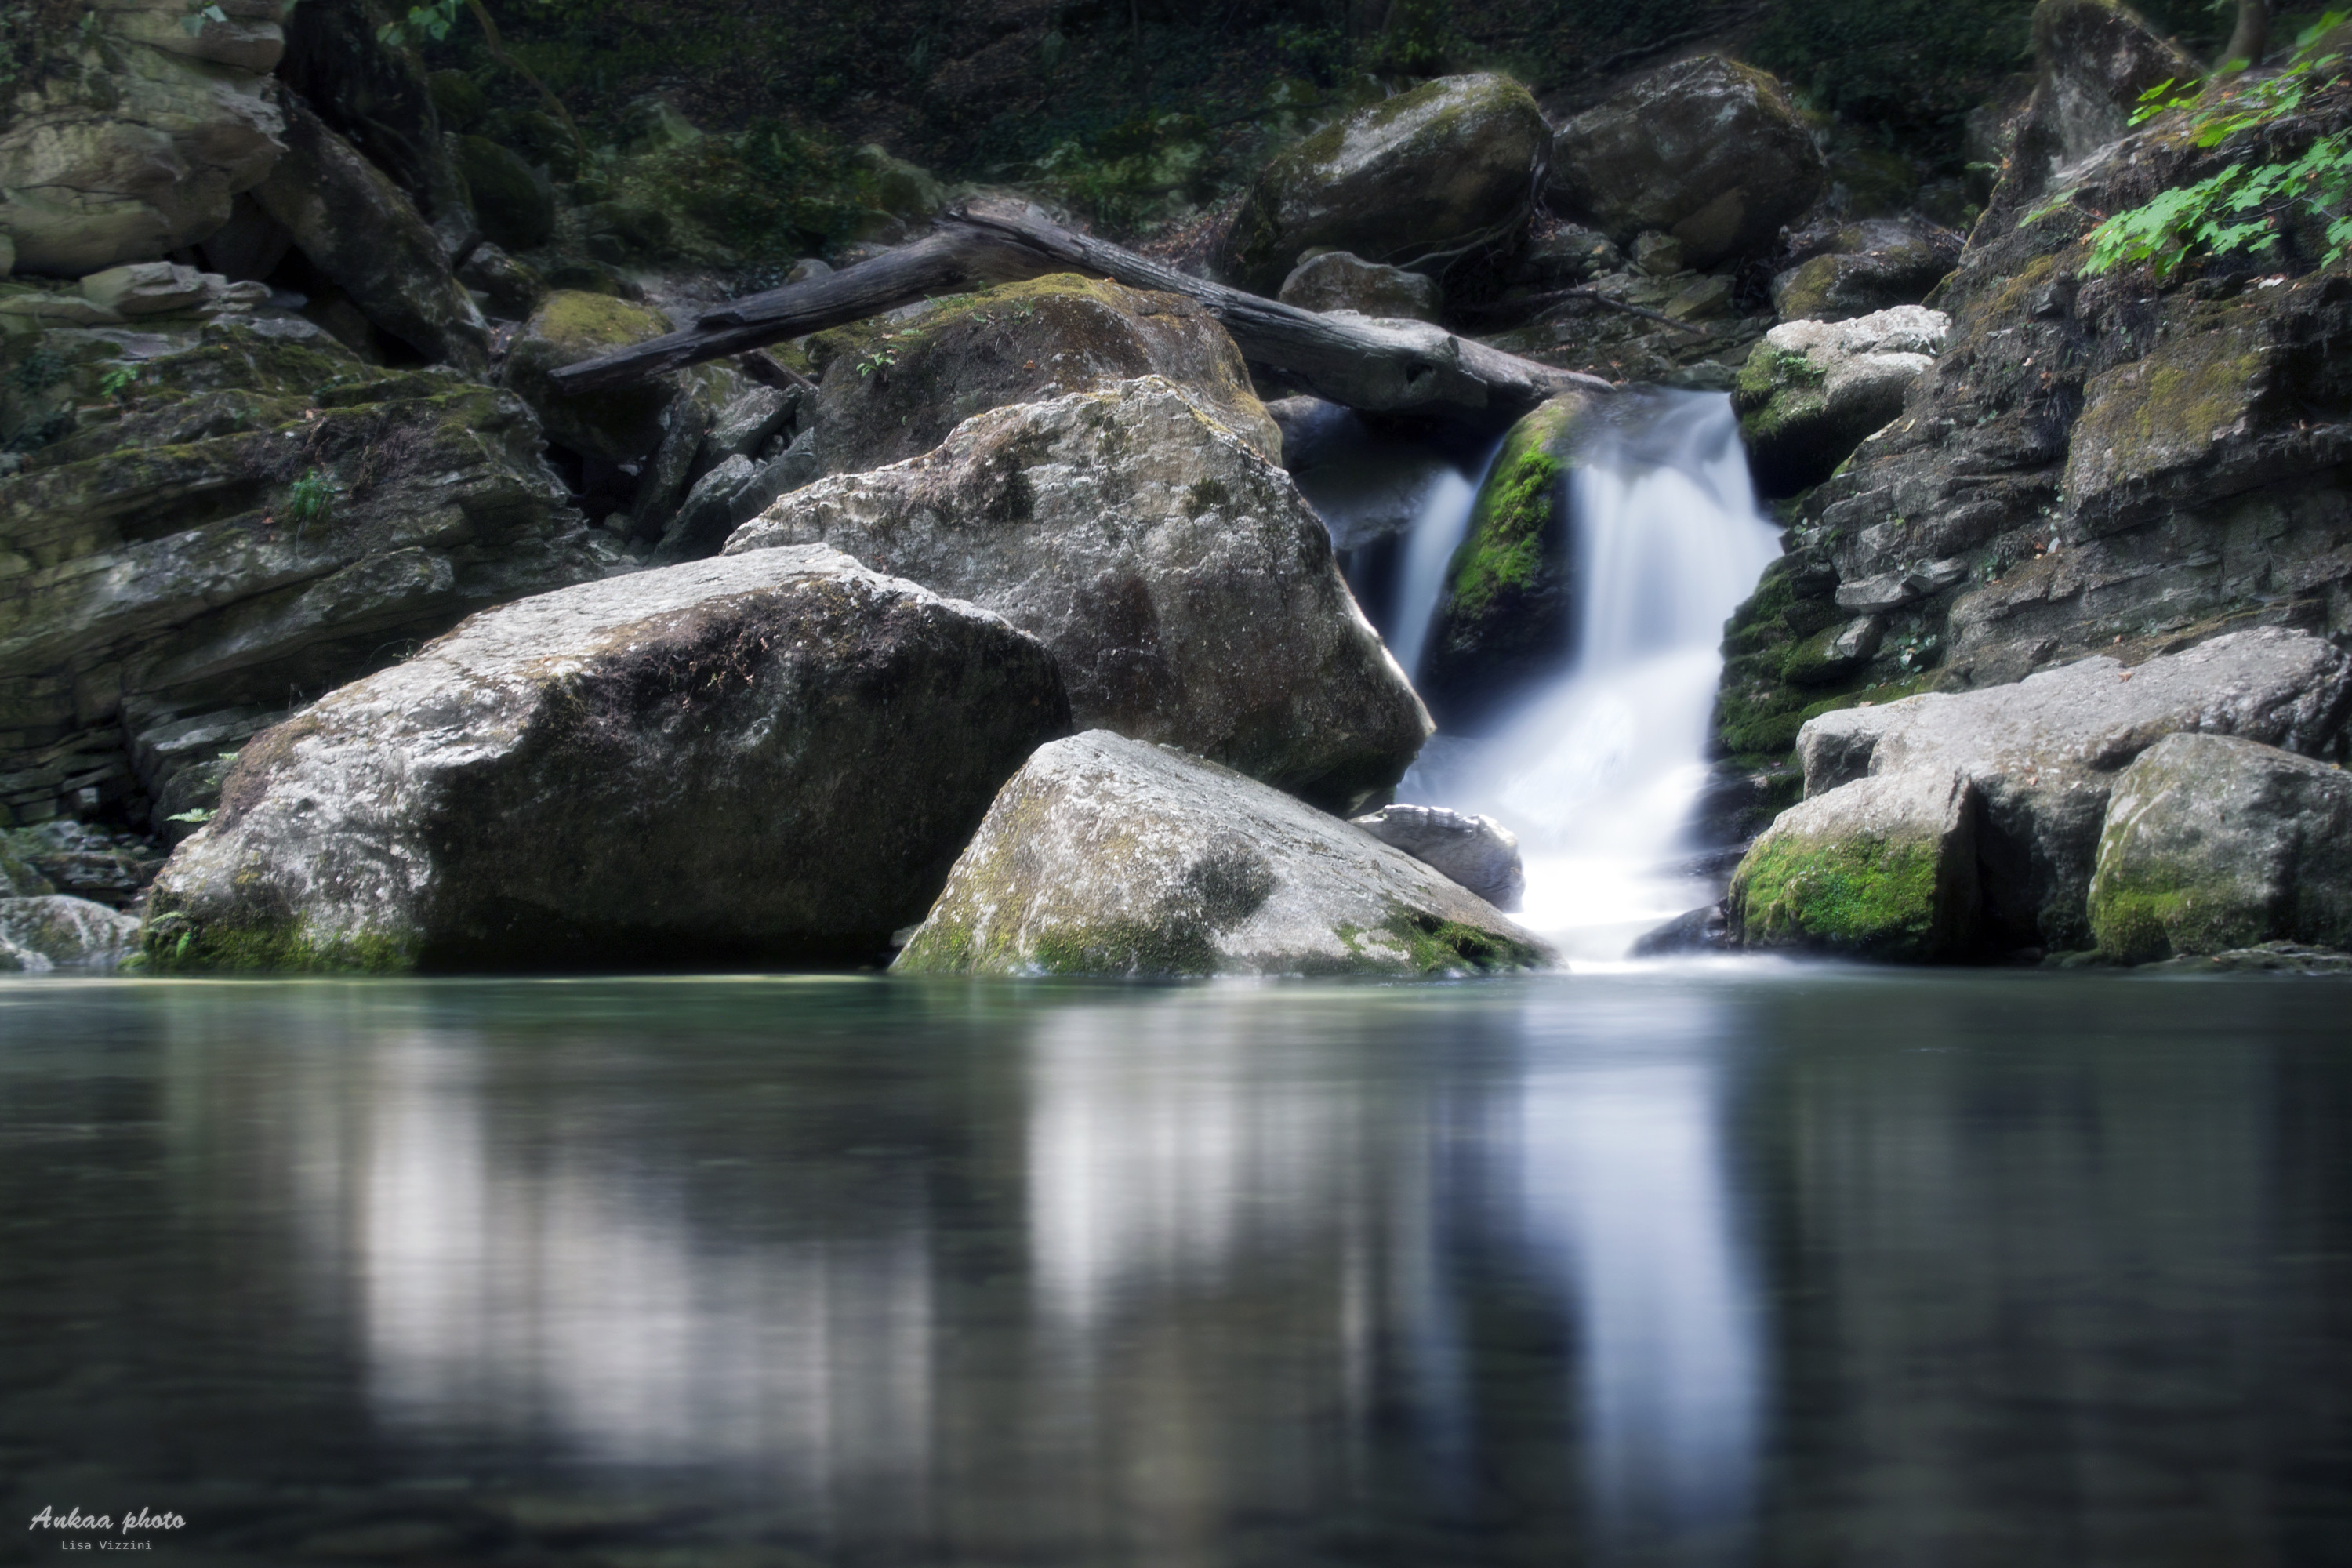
x=1476, y=851
x=766, y=757
x=1811, y=391
x=1446, y=164
x=2044, y=753
x=65, y=932
x=1865, y=267
x=895, y=386
x=1109, y=856
x=619, y=424
x=2215, y=842
x=1707, y=150
x=1883, y=868
x=1188, y=590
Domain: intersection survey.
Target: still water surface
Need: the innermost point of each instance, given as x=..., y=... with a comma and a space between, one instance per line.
x=1683, y=1267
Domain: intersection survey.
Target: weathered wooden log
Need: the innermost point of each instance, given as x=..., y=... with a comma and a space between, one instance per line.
x=1383, y=368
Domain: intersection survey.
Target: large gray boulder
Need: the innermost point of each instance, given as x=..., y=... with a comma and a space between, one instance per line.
x=136, y=141
x=360, y=230
x=1110, y=856
x=768, y=757
x=2215, y=843
x=1811, y=391
x=2044, y=753
x=1449, y=164
x=1185, y=587
x=895, y=386
x=1707, y=151
x=62, y=932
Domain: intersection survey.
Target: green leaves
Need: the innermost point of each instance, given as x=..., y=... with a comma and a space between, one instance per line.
x=200, y=13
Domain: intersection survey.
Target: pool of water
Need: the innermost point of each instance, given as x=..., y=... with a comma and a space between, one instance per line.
x=1714, y=1265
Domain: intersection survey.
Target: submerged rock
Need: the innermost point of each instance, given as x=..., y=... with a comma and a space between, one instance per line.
x=2216, y=842
x=1811, y=391
x=766, y=757
x=1447, y=164
x=1110, y=856
x=1187, y=590
x=2043, y=754
x=894, y=388
x=1708, y=151
x=60, y=931
x=1476, y=851
x=1880, y=867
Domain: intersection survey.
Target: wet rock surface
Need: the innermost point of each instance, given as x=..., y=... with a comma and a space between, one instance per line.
x=1113, y=856
x=59, y=932
x=772, y=756
x=1184, y=586
x=1476, y=851
x=1883, y=868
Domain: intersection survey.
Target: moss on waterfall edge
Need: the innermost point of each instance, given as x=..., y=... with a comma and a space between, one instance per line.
x=175, y=943
x=1867, y=897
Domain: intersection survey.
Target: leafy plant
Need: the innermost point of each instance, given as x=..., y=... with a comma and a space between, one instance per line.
x=310, y=499
x=199, y=13
x=118, y=381
x=879, y=360
x=2242, y=205
x=198, y=814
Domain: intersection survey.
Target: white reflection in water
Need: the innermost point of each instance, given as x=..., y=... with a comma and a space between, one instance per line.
x=1621, y=1173
x=548, y=1291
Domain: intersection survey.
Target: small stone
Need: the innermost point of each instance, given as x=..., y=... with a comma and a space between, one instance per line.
x=1659, y=255
x=1701, y=299
x=145, y=288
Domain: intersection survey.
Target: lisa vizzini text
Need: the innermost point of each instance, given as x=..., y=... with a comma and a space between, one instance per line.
x=75, y=1520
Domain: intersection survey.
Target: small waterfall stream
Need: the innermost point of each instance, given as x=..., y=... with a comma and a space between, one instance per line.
x=1598, y=772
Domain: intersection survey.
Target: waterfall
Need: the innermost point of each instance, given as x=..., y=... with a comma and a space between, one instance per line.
x=1436, y=533
x=1599, y=771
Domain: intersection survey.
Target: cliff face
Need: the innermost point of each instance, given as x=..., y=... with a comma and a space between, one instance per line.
x=2096, y=463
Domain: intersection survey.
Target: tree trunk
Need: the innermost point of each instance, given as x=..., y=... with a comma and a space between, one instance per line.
x=1379, y=367
x=2252, y=35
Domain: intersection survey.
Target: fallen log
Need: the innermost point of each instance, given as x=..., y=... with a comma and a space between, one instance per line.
x=1376, y=367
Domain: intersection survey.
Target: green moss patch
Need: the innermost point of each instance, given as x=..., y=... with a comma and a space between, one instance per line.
x=1867, y=897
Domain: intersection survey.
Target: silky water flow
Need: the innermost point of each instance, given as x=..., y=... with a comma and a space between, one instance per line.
x=1599, y=770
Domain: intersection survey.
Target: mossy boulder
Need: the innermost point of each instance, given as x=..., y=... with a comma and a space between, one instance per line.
x=457, y=98
x=1505, y=617
x=1811, y=391
x=1186, y=588
x=893, y=389
x=364, y=234
x=1447, y=164
x=2215, y=843
x=1107, y=855
x=1865, y=267
x=620, y=424
x=768, y=758
x=512, y=202
x=1881, y=867
x=1707, y=150
x=2181, y=426
x=63, y=932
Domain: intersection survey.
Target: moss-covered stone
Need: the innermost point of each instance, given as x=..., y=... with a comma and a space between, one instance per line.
x=171, y=942
x=515, y=209
x=1882, y=868
x=620, y=424
x=1505, y=617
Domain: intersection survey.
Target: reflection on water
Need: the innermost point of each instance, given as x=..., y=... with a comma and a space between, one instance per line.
x=1717, y=1269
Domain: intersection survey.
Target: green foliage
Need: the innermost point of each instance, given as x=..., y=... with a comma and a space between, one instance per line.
x=1418, y=39
x=310, y=499
x=1127, y=176
x=118, y=381
x=2246, y=204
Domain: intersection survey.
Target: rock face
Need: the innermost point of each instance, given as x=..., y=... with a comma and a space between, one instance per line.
x=1188, y=592
x=58, y=931
x=2044, y=753
x=375, y=95
x=2215, y=843
x=134, y=144
x=1504, y=620
x=1881, y=867
x=258, y=515
x=774, y=755
x=2094, y=464
x=894, y=388
x=1866, y=267
x=621, y=424
x=1811, y=391
x=1424, y=171
x=1476, y=851
x=1335, y=280
x=514, y=207
x=1707, y=150
x=363, y=232
x=2096, y=58
x=1110, y=856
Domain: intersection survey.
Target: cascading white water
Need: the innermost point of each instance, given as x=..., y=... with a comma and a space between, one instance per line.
x=1437, y=530
x=1598, y=772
